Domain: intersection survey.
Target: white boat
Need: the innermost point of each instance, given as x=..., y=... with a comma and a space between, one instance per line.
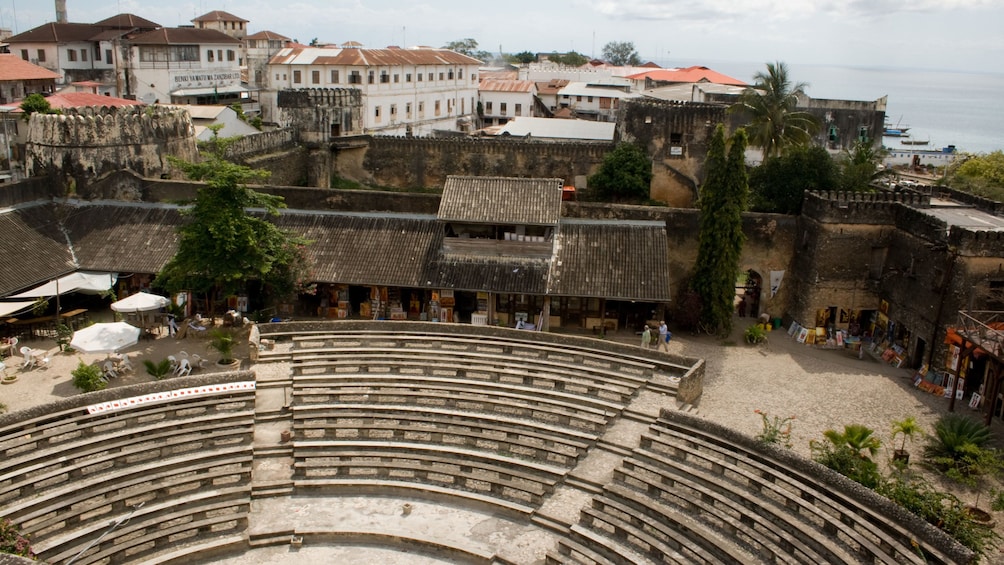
x=910, y=157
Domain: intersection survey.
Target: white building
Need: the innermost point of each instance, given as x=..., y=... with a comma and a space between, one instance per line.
x=503, y=100
x=258, y=49
x=416, y=90
x=186, y=66
x=598, y=102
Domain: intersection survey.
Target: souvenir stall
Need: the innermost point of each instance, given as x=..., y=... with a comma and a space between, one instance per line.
x=974, y=364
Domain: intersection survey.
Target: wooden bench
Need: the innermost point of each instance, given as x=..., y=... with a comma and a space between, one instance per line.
x=801, y=499
x=479, y=368
x=459, y=398
x=509, y=478
x=440, y=427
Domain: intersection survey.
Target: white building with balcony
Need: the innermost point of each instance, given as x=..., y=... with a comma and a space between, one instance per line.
x=598, y=102
x=404, y=91
x=502, y=100
x=186, y=66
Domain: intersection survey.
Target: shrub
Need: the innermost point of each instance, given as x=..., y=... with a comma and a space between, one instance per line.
x=954, y=436
x=88, y=377
x=223, y=342
x=848, y=453
x=776, y=430
x=157, y=370
x=755, y=334
x=12, y=542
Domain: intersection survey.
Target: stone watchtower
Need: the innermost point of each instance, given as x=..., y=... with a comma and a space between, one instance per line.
x=82, y=144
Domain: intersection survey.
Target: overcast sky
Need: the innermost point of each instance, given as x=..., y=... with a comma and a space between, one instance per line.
x=939, y=34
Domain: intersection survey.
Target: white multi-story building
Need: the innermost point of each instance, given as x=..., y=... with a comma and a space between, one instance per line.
x=258, y=49
x=597, y=102
x=186, y=66
x=503, y=100
x=415, y=90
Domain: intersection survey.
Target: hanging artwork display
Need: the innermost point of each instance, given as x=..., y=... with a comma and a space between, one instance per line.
x=775, y=281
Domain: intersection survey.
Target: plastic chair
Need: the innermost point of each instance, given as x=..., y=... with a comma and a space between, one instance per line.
x=108, y=368
x=198, y=362
x=125, y=366
x=184, y=368
x=29, y=359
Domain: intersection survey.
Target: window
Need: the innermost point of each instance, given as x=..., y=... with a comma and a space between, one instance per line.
x=169, y=53
x=71, y=54
x=24, y=54
x=421, y=109
x=676, y=138
x=83, y=54
x=219, y=55
x=393, y=110
x=589, y=99
x=108, y=56
x=355, y=78
x=488, y=107
x=372, y=77
x=460, y=74
x=384, y=77
x=502, y=107
x=407, y=110
x=209, y=55
x=41, y=55
x=440, y=76
x=578, y=99
x=437, y=107
x=276, y=76
x=450, y=75
x=315, y=77
x=334, y=76
x=519, y=109
x=449, y=106
x=231, y=55
x=419, y=78
x=376, y=113
x=296, y=77
x=397, y=78
x=407, y=77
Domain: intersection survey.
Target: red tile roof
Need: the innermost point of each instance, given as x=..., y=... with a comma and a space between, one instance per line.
x=689, y=74
x=266, y=35
x=552, y=86
x=219, y=16
x=182, y=36
x=14, y=68
x=371, y=57
x=127, y=21
x=492, y=85
x=57, y=33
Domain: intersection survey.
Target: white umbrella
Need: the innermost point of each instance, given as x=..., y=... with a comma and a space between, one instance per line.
x=140, y=302
x=105, y=338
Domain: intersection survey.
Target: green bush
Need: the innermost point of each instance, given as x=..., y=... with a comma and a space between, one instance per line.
x=755, y=334
x=157, y=370
x=954, y=437
x=88, y=377
x=849, y=452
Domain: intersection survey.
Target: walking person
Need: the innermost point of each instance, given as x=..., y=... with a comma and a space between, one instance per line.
x=646, y=338
x=664, y=336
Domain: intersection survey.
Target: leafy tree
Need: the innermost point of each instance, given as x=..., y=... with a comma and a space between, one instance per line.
x=982, y=175
x=37, y=103
x=774, y=123
x=222, y=248
x=621, y=53
x=723, y=199
x=860, y=167
x=469, y=47
x=778, y=184
x=314, y=42
x=570, y=59
x=523, y=58
x=624, y=175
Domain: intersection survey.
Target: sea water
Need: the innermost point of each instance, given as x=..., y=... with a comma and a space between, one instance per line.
x=945, y=107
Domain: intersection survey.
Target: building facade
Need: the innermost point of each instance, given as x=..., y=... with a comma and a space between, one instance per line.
x=404, y=91
x=185, y=66
x=503, y=100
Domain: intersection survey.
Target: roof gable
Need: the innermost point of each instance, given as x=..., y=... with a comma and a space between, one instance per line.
x=127, y=21
x=501, y=200
x=219, y=16
x=14, y=68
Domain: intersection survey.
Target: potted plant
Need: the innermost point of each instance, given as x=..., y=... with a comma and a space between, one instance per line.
x=158, y=370
x=907, y=427
x=222, y=341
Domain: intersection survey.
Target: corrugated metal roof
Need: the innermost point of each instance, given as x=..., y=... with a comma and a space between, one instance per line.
x=33, y=247
x=627, y=261
x=369, y=57
x=501, y=200
x=556, y=128
x=689, y=74
x=502, y=85
x=511, y=275
x=585, y=89
x=114, y=237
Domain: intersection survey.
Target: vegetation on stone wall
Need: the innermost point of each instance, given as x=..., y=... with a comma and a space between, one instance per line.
x=778, y=184
x=36, y=103
x=722, y=200
x=223, y=249
x=624, y=176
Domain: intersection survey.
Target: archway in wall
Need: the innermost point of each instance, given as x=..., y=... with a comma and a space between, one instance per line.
x=747, y=300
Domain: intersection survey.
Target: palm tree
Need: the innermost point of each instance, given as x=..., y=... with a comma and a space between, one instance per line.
x=774, y=123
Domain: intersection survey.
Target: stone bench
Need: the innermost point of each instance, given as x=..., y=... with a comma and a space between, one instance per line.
x=433, y=492
x=588, y=546
x=140, y=483
x=481, y=368
x=519, y=480
x=796, y=493
x=458, y=397
x=153, y=527
x=507, y=436
x=772, y=535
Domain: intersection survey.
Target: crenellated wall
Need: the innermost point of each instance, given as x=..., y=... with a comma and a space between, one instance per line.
x=322, y=114
x=74, y=148
x=426, y=162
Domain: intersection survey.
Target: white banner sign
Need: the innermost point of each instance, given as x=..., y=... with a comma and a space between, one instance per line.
x=775, y=281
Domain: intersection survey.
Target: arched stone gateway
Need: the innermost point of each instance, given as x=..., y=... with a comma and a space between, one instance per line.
x=431, y=443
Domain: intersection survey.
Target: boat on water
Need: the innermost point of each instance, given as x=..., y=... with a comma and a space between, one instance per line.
x=911, y=141
x=897, y=130
x=911, y=157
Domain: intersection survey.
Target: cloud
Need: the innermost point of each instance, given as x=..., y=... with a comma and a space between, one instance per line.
x=719, y=11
